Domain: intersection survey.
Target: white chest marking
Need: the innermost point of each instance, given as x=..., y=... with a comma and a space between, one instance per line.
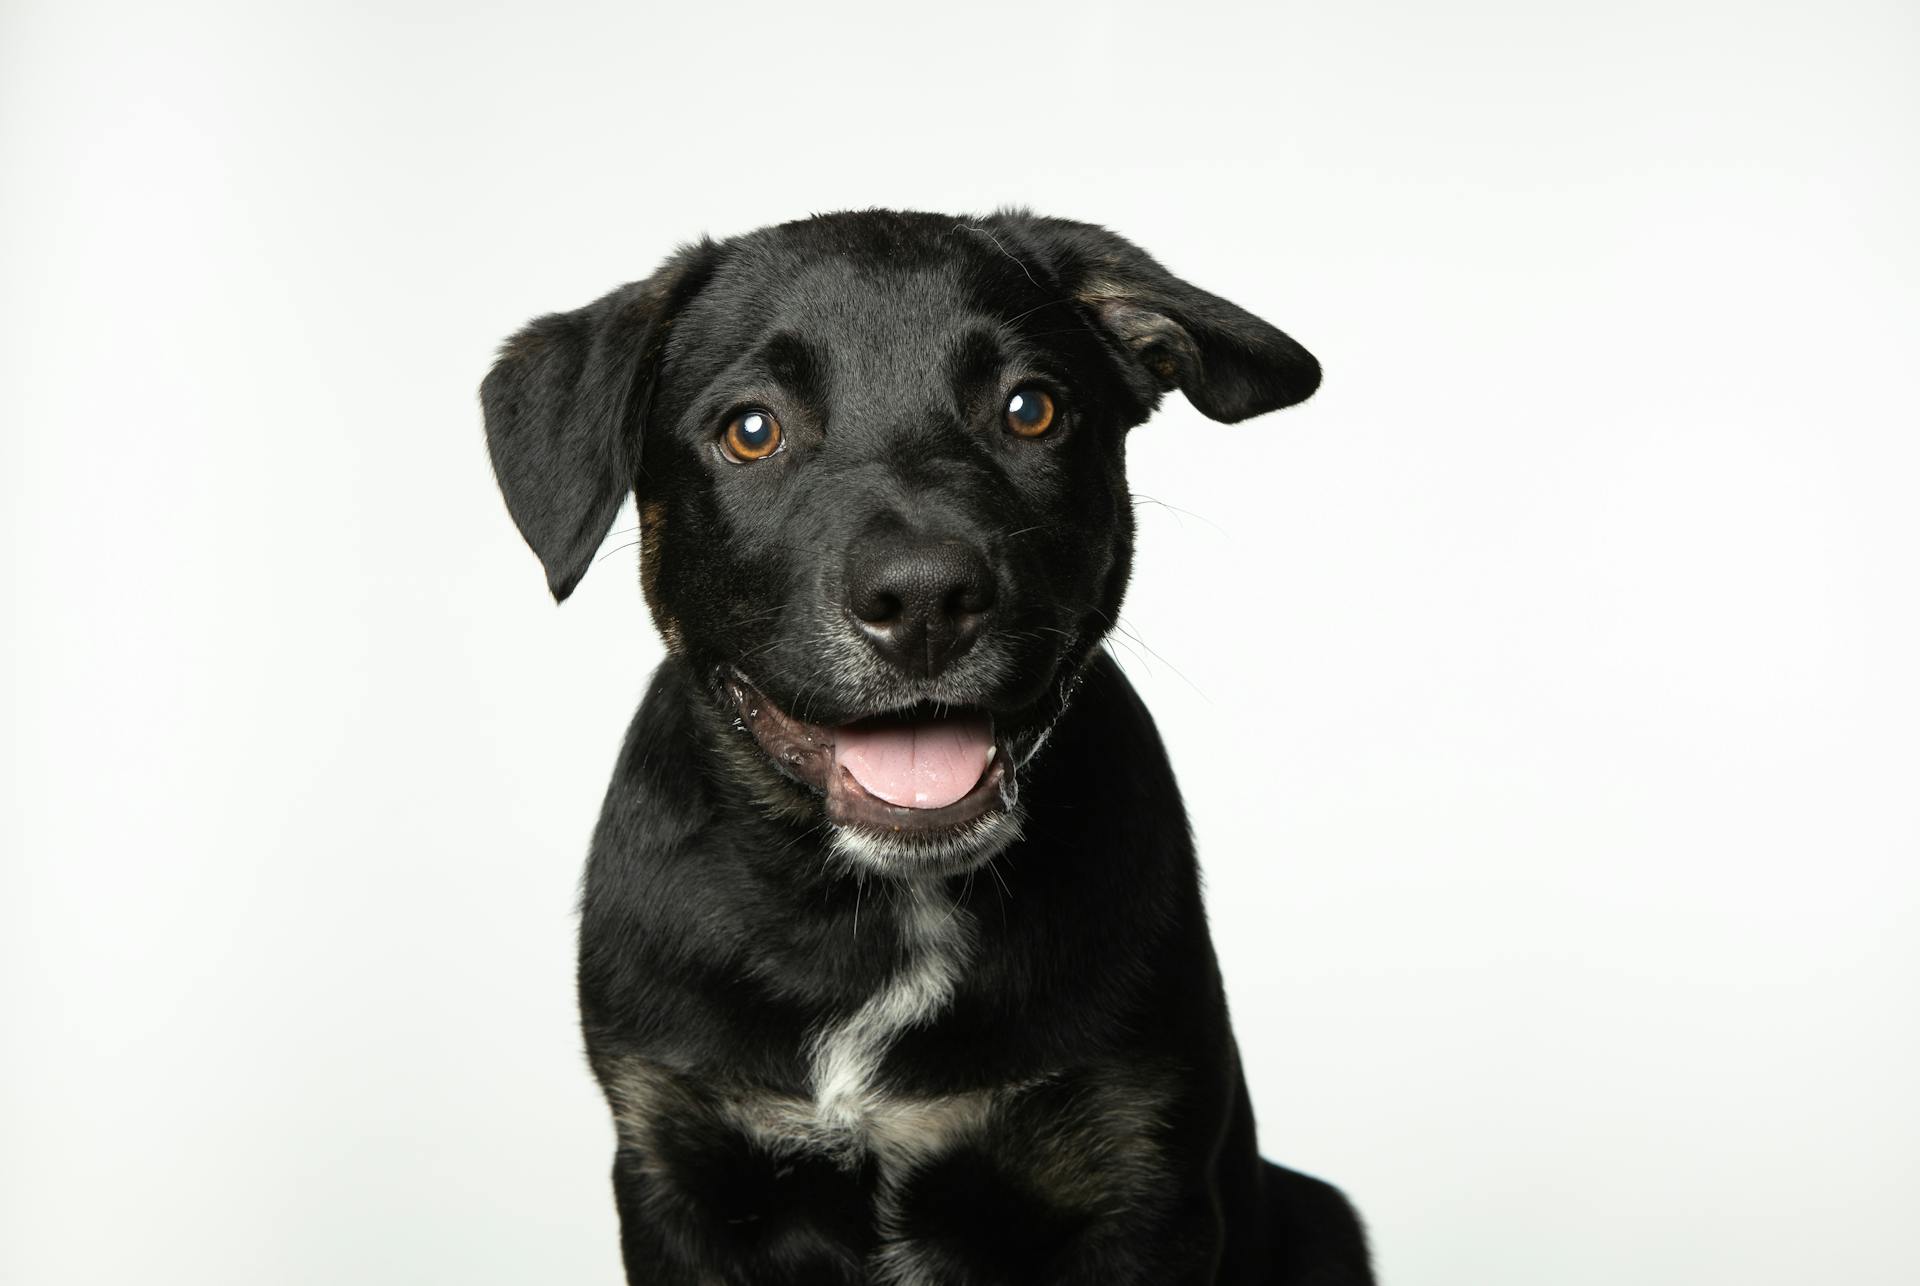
x=846, y=1056
x=849, y=1113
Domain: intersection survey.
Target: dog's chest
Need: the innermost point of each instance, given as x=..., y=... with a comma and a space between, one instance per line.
x=848, y=1102
x=850, y=1112
x=860, y=1161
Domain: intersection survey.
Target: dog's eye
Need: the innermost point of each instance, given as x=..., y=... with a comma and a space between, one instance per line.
x=750, y=436
x=1029, y=412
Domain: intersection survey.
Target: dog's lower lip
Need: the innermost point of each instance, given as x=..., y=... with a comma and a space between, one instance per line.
x=851, y=804
x=807, y=752
x=803, y=750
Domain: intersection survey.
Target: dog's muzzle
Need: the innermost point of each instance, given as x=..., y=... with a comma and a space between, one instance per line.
x=922, y=772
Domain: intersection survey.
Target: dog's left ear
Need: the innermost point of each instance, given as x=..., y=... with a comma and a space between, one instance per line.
x=1229, y=363
x=562, y=407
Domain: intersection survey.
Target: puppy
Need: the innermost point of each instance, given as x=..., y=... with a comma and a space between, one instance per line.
x=893, y=965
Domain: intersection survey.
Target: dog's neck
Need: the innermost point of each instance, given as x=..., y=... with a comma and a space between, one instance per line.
x=710, y=891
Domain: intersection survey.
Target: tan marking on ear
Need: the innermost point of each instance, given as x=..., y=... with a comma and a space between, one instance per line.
x=653, y=536
x=1098, y=288
x=524, y=344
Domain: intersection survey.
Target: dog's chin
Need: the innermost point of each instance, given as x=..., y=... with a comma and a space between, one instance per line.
x=920, y=792
x=925, y=854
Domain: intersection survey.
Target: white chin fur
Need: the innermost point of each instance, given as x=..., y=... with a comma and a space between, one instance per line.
x=906, y=856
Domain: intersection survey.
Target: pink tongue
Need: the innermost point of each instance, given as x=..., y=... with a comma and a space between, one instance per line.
x=929, y=764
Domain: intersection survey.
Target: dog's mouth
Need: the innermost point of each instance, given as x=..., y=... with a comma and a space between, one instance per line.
x=922, y=771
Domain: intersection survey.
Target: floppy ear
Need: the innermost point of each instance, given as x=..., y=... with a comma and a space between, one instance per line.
x=1228, y=362
x=562, y=405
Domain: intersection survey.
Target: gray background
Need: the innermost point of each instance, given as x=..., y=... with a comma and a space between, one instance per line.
x=1543, y=690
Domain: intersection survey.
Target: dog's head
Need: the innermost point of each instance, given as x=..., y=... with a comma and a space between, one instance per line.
x=878, y=459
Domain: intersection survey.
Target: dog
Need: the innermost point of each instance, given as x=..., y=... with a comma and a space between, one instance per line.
x=893, y=964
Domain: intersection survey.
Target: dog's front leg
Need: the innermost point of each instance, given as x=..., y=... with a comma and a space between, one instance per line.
x=647, y=1248
x=731, y=1213
x=968, y=1223
x=1103, y=1176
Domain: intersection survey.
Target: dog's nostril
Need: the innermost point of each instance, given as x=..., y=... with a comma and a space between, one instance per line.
x=876, y=606
x=972, y=596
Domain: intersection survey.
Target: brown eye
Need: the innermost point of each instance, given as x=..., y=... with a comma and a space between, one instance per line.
x=750, y=436
x=1029, y=412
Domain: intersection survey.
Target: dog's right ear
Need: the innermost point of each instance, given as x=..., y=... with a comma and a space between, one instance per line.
x=562, y=405
x=1229, y=363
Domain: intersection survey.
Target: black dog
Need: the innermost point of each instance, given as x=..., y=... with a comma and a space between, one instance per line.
x=893, y=965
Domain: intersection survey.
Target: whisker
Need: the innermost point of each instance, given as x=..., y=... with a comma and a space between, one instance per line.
x=1177, y=511
x=632, y=544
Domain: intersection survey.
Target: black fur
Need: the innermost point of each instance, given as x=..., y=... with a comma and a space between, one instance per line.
x=1069, y=1107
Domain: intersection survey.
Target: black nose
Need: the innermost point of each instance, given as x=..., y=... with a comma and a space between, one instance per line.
x=921, y=601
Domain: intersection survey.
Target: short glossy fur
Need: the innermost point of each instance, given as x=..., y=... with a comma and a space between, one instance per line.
x=836, y=1054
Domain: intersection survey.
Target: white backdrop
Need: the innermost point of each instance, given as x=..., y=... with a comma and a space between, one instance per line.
x=1556, y=781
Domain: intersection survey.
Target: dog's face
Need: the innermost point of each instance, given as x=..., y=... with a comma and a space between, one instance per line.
x=879, y=461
